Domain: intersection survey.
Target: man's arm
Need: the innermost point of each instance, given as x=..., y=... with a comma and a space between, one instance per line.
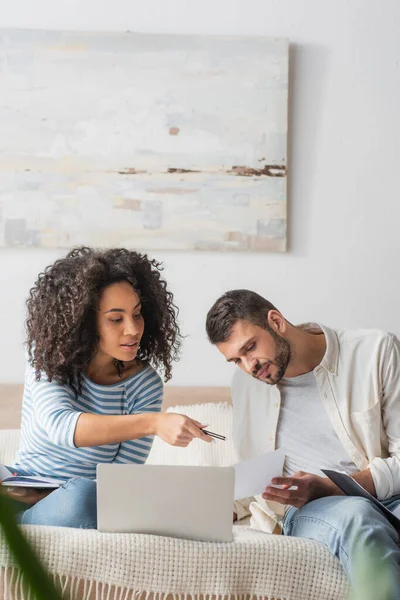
x=386, y=471
x=365, y=479
x=310, y=487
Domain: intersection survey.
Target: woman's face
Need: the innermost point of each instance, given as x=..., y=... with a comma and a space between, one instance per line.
x=120, y=323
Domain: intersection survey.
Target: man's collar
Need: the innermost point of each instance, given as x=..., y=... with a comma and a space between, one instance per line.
x=330, y=359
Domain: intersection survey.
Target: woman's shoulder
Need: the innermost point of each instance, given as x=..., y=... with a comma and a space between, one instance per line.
x=146, y=378
x=39, y=382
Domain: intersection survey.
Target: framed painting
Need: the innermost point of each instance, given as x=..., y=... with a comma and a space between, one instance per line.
x=144, y=141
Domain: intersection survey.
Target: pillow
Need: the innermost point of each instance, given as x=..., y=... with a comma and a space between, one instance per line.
x=218, y=418
x=9, y=443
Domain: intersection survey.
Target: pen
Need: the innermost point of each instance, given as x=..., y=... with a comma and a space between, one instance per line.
x=214, y=435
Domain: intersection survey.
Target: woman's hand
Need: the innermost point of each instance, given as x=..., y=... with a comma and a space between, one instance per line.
x=26, y=495
x=179, y=430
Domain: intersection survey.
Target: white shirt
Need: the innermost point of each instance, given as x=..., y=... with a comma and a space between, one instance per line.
x=359, y=384
x=305, y=432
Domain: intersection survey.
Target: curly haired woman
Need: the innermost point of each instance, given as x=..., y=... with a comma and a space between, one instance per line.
x=99, y=323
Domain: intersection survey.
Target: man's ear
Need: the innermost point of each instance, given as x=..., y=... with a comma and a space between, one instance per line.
x=277, y=322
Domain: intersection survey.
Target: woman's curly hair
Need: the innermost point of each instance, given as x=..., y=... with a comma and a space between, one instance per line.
x=61, y=326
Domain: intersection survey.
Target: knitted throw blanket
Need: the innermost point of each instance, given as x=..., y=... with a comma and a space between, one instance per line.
x=89, y=565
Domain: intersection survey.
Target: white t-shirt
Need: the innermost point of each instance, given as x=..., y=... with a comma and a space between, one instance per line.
x=305, y=431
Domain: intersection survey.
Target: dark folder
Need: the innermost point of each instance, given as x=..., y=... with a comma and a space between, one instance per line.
x=351, y=488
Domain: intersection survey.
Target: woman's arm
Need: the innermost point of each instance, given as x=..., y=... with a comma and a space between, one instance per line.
x=68, y=427
x=99, y=430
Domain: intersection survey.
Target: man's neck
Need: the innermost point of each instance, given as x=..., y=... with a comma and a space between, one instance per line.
x=308, y=350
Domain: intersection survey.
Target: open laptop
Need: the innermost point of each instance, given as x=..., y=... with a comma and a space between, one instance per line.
x=177, y=501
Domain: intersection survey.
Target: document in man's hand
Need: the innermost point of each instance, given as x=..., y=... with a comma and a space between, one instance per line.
x=252, y=476
x=351, y=487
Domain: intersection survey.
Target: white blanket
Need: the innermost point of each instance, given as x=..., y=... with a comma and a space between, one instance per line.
x=254, y=564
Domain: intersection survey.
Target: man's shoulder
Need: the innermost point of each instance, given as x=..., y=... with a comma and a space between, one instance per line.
x=350, y=336
x=372, y=337
x=365, y=345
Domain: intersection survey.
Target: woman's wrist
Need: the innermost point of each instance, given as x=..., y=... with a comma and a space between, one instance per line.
x=151, y=423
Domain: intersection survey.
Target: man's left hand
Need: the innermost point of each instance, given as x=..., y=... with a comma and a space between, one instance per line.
x=308, y=487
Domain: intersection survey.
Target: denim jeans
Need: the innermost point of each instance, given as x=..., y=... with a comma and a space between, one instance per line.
x=353, y=529
x=72, y=505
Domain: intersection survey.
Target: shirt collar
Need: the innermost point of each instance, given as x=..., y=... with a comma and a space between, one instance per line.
x=330, y=359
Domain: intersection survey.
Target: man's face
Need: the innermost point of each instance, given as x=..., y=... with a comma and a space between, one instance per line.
x=262, y=353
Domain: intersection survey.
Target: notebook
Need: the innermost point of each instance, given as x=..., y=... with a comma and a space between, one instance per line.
x=9, y=480
x=350, y=487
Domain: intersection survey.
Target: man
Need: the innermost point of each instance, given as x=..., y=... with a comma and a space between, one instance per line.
x=330, y=399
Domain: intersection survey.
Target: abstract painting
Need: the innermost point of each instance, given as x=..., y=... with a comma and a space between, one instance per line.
x=145, y=141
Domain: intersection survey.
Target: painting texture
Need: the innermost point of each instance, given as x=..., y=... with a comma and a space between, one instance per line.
x=144, y=141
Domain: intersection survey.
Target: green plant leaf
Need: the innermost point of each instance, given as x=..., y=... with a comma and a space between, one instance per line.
x=35, y=577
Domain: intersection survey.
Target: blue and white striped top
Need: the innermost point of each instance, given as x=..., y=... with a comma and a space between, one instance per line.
x=50, y=412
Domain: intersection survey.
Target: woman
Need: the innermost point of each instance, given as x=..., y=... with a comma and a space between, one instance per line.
x=99, y=323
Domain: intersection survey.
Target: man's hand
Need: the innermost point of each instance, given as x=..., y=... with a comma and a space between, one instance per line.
x=308, y=487
x=26, y=495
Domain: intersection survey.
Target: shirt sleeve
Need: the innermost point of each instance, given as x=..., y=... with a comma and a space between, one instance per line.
x=54, y=411
x=149, y=396
x=386, y=471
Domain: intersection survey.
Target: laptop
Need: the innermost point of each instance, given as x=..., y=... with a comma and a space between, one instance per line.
x=350, y=487
x=195, y=503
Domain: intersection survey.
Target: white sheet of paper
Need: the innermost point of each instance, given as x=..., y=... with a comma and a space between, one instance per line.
x=252, y=476
x=4, y=472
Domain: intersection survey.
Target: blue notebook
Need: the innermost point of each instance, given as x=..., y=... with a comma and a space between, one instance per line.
x=10, y=480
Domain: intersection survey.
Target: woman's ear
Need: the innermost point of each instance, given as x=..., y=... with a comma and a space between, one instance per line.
x=277, y=322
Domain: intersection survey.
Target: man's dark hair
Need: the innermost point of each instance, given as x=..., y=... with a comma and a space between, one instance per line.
x=233, y=306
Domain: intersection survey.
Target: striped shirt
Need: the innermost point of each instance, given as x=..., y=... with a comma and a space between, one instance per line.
x=51, y=410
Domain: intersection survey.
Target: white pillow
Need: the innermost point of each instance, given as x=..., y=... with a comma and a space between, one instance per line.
x=218, y=418
x=9, y=443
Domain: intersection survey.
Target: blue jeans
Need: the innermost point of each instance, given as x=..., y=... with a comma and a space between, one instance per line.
x=353, y=529
x=72, y=505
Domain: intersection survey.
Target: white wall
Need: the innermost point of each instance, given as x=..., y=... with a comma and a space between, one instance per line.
x=344, y=210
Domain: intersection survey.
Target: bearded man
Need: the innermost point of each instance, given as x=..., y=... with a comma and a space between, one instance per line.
x=330, y=399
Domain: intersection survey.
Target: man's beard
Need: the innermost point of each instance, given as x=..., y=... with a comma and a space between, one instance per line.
x=282, y=358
